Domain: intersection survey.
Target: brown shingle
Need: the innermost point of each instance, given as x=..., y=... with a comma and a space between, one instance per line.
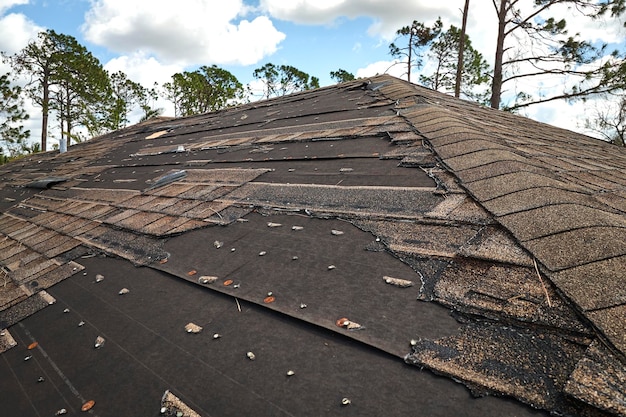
x=469, y=147
x=595, y=285
x=597, y=380
x=616, y=199
x=534, y=198
x=611, y=321
x=501, y=185
x=483, y=157
x=552, y=219
x=578, y=247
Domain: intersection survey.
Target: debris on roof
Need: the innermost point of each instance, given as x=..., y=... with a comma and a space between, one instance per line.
x=193, y=328
x=171, y=405
x=500, y=242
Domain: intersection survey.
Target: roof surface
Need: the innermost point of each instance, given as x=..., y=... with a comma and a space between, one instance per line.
x=343, y=234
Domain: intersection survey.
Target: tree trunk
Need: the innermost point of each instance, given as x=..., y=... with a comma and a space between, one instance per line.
x=459, y=66
x=496, y=85
x=68, y=120
x=408, y=70
x=44, y=112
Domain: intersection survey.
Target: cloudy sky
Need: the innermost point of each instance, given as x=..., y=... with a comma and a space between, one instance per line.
x=151, y=40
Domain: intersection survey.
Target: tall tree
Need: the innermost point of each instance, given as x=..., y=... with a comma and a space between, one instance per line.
x=418, y=36
x=39, y=60
x=80, y=85
x=341, y=76
x=268, y=74
x=146, y=97
x=124, y=96
x=293, y=80
x=204, y=90
x=59, y=69
x=12, y=116
x=283, y=80
x=530, y=44
x=443, y=56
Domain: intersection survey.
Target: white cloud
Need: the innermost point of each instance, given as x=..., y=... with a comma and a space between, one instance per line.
x=201, y=32
x=394, y=68
x=15, y=32
x=146, y=71
x=143, y=69
x=257, y=89
x=7, y=4
x=604, y=29
x=387, y=15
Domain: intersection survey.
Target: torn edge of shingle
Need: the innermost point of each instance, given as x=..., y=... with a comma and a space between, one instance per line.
x=25, y=308
x=168, y=178
x=599, y=379
x=45, y=183
x=171, y=405
x=375, y=86
x=524, y=363
x=6, y=340
x=138, y=249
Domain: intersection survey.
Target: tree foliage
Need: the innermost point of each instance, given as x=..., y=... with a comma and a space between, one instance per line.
x=610, y=122
x=415, y=40
x=284, y=79
x=124, y=96
x=39, y=61
x=81, y=86
x=443, y=55
x=204, y=90
x=531, y=44
x=63, y=77
x=341, y=76
x=12, y=115
x=146, y=98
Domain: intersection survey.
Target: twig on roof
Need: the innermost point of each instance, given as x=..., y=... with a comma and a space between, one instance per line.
x=5, y=276
x=545, y=290
x=216, y=212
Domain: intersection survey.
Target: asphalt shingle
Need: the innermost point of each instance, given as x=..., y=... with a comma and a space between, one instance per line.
x=342, y=225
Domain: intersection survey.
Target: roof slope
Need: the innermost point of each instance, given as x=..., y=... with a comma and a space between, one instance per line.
x=307, y=230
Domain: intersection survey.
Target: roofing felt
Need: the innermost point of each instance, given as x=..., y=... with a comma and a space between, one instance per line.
x=339, y=233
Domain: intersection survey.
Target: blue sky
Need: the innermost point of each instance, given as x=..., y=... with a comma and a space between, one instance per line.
x=314, y=48
x=152, y=40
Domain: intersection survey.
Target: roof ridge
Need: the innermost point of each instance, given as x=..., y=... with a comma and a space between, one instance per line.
x=451, y=130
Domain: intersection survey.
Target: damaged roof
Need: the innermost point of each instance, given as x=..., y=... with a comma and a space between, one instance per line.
x=333, y=252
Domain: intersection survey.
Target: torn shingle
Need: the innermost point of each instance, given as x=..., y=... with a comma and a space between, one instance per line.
x=510, y=228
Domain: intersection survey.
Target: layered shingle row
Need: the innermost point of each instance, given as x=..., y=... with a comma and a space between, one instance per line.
x=345, y=209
